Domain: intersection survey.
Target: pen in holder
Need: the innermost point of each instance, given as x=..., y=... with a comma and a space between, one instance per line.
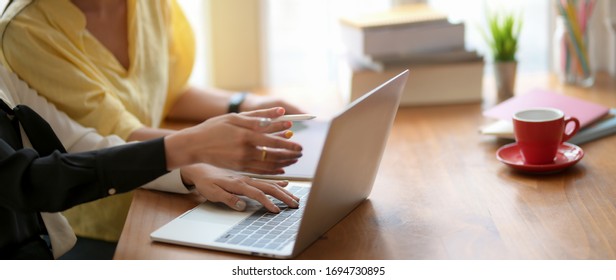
x=571, y=42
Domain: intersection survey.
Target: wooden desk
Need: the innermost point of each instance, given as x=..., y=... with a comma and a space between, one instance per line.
x=442, y=194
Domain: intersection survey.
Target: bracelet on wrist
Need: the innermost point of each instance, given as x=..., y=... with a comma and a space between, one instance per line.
x=235, y=102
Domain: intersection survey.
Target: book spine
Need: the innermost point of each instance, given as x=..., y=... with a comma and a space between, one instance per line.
x=450, y=83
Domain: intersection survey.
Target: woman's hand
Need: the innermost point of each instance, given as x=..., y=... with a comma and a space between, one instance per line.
x=219, y=185
x=249, y=142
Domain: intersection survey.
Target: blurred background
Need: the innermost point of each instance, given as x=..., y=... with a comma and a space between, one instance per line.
x=290, y=43
x=250, y=44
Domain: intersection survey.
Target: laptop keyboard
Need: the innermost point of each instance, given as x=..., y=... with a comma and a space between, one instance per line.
x=264, y=229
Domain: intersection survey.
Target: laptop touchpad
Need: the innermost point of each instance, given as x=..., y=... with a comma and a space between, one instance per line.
x=216, y=212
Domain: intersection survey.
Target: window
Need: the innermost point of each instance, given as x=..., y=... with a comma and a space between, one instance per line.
x=194, y=11
x=535, y=38
x=303, y=44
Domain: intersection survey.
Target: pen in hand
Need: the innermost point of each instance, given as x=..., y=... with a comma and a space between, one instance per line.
x=293, y=118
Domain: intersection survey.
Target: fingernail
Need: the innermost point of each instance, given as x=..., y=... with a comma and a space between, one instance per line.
x=295, y=204
x=240, y=205
x=288, y=124
x=288, y=134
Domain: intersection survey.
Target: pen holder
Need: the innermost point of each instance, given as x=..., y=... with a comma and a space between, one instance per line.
x=571, y=46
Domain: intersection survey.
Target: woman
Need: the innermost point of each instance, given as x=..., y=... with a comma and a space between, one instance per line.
x=43, y=177
x=119, y=66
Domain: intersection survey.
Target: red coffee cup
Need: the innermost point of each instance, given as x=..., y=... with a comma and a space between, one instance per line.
x=540, y=131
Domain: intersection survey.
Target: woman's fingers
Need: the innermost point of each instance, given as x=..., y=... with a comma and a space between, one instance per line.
x=283, y=185
x=272, y=155
x=264, y=160
x=271, y=113
x=261, y=121
x=275, y=190
x=274, y=141
x=258, y=190
x=218, y=194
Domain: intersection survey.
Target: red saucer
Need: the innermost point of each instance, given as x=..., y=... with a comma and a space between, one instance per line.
x=567, y=155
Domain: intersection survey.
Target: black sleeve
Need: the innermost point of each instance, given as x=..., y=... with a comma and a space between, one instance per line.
x=59, y=181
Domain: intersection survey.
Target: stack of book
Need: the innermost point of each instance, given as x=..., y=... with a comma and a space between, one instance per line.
x=414, y=37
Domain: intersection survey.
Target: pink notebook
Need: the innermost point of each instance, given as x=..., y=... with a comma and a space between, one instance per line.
x=586, y=112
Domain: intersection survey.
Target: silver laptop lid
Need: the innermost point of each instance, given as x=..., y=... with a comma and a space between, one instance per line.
x=350, y=159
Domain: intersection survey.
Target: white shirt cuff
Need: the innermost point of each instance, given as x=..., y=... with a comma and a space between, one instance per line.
x=170, y=182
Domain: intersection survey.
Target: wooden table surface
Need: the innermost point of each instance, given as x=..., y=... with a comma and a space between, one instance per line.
x=442, y=194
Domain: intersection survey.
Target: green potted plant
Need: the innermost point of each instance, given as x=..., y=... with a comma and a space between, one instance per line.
x=502, y=38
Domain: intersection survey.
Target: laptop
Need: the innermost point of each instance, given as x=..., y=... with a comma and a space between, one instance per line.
x=344, y=177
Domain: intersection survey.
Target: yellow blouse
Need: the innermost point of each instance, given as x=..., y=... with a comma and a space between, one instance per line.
x=46, y=43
